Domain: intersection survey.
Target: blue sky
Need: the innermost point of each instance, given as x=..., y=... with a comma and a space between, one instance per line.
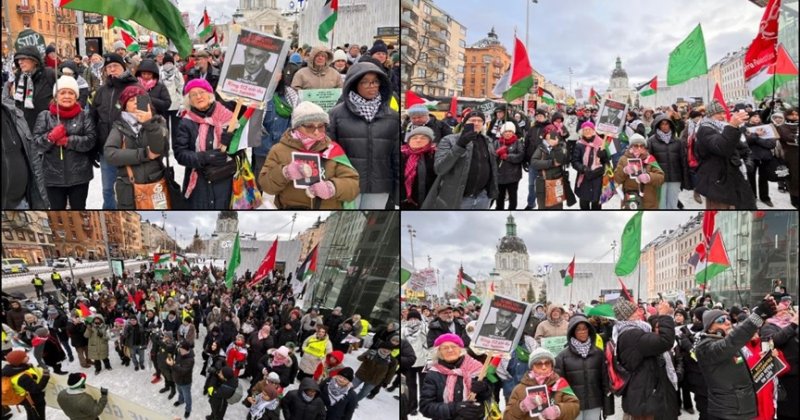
x=587, y=35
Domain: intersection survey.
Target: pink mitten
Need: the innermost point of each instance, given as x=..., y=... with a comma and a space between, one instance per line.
x=296, y=170
x=551, y=413
x=644, y=178
x=324, y=190
x=530, y=402
x=628, y=169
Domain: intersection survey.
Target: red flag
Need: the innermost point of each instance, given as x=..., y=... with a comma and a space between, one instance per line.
x=625, y=291
x=762, y=51
x=412, y=99
x=150, y=44
x=267, y=264
x=709, y=220
x=84, y=309
x=454, y=106
x=721, y=99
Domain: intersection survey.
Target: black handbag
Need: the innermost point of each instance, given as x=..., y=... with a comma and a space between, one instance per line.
x=219, y=173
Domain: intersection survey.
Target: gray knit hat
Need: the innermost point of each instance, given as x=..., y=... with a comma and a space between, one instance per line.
x=714, y=108
x=710, y=316
x=118, y=45
x=623, y=308
x=307, y=112
x=637, y=138
x=538, y=354
x=425, y=131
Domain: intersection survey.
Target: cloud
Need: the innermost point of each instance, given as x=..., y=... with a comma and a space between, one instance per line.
x=470, y=238
x=587, y=35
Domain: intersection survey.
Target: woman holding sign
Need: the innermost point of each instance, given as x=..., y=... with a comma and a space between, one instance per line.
x=542, y=393
x=306, y=169
x=639, y=175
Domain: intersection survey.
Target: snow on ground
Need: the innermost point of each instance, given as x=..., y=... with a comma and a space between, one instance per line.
x=81, y=269
x=779, y=199
x=136, y=387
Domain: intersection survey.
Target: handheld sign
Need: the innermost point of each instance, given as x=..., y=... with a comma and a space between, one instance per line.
x=500, y=327
x=325, y=98
x=252, y=68
x=314, y=175
x=611, y=117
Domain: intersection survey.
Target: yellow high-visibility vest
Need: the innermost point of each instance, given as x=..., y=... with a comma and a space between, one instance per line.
x=364, y=327
x=35, y=372
x=37, y=281
x=55, y=277
x=316, y=347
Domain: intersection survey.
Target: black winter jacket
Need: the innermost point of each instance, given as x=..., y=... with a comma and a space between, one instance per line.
x=760, y=149
x=372, y=146
x=134, y=154
x=786, y=340
x=159, y=95
x=588, y=376
x=426, y=175
x=407, y=355
x=649, y=391
x=730, y=387
x=672, y=156
x=20, y=157
x=509, y=171
x=342, y=410
x=43, y=80
x=76, y=166
x=718, y=176
x=105, y=106
x=431, y=394
x=75, y=332
x=182, y=369
x=437, y=328
x=592, y=184
x=294, y=407
x=533, y=138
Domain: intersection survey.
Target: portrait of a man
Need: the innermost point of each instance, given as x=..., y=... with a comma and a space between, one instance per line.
x=252, y=71
x=503, y=326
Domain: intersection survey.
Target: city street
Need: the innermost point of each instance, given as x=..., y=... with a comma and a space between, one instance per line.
x=22, y=282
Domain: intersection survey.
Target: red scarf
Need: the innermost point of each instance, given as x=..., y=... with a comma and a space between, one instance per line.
x=66, y=113
x=596, y=144
x=508, y=142
x=469, y=368
x=218, y=118
x=410, y=171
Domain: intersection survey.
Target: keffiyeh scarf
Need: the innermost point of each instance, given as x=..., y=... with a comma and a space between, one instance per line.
x=716, y=125
x=24, y=91
x=581, y=347
x=257, y=409
x=367, y=108
x=665, y=137
x=469, y=368
x=336, y=392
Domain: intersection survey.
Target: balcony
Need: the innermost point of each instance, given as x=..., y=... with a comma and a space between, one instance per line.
x=407, y=4
x=26, y=10
x=438, y=36
x=440, y=21
x=435, y=51
x=408, y=19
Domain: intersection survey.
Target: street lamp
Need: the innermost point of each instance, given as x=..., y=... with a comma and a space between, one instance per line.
x=412, y=234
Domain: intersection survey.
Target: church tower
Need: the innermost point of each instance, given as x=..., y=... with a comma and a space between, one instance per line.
x=227, y=222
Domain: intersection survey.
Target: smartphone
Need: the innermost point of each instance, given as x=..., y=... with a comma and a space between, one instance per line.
x=143, y=103
x=468, y=128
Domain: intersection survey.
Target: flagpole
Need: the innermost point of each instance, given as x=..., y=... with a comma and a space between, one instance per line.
x=639, y=284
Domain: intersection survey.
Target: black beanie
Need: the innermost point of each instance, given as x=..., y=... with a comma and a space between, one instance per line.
x=167, y=59
x=412, y=314
x=113, y=58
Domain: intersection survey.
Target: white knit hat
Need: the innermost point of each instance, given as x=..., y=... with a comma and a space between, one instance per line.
x=509, y=126
x=307, y=112
x=339, y=55
x=66, y=82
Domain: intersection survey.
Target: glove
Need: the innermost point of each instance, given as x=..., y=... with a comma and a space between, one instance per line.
x=226, y=137
x=465, y=139
x=213, y=158
x=57, y=133
x=323, y=189
x=296, y=170
x=551, y=413
x=603, y=156
x=766, y=309
x=628, y=169
x=530, y=402
x=62, y=141
x=103, y=391
x=469, y=410
x=481, y=389
x=644, y=178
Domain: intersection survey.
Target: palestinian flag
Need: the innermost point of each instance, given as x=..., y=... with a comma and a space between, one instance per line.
x=570, y=272
x=716, y=262
x=330, y=12
x=594, y=97
x=518, y=80
x=562, y=385
x=160, y=16
x=414, y=99
x=465, y=285
x=242, y=132
x=335, y=152
x=206, y=25
x=648, y=88
x=126, y=31
x=612, y=146
x=777, y=75
x=491, y=370
x=546, y=96
x=309, y=266
x=162, y=258
x=761, y=55
x=603, y=309
x=405, y=271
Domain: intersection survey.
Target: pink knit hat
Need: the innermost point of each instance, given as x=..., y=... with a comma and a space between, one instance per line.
x=448, y=338
x=197, y=83
x=587, y=124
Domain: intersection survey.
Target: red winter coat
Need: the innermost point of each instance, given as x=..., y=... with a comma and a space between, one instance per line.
x=331, y=366
x=235, y=358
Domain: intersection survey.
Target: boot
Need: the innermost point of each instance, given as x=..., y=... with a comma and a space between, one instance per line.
x=156, y=378
x=57, y=370
x=97, y=367
x=165, y=389
x=172, y=390
x=107, y=363
x=186, y=414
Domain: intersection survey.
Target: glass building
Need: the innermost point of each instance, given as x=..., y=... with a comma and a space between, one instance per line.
x=358, y=266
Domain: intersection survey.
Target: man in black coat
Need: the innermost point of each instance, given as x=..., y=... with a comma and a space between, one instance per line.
x=345, y=403
x=222, y=386
x=719, y=178
x=444, y=324
x=104, y=111
x=730, y=387
x=642, y=352
x=22, y=176
x=785, y=339
x=533, y=138
x=299, y=407
x=503, y=327
x=33, y=86
x=204, y=70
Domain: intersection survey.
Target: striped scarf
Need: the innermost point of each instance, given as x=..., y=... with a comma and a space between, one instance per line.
x=367, y=108
x=581, y=347
x=219, y=117
x=469, y=368
x=24, y=91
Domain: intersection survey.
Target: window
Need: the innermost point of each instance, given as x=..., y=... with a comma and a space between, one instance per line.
x=421, y=73
x=473, y=70
x=41, y=238
x=462, y=43
x=40, y=24
x=20, y=236
x=462, y=57
x=31, y=237
x=8, y=235
x=461, y=69
x=426, y=26
x=426, y=8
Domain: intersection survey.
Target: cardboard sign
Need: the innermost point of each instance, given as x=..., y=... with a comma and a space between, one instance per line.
x=541, y=396
x=765, y=131
x=252, y=67
x=765, y=370
x=611, y=117
x=325, y=98
x=313, y=160
x=29, y=37
x=500, y=327
x=554, y=344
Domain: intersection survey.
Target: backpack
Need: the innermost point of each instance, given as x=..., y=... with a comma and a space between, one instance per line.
x=238, y=393
x=618, y=376
x=10, y=396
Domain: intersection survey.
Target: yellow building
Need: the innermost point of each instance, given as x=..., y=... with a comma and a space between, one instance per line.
x=43, y=18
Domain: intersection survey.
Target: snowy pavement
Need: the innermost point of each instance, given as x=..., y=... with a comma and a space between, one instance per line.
x=136, y=387
x=80, y=269
x=782, y=201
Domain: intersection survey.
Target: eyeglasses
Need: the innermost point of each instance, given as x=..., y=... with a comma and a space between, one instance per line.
x=722, y=319
x=196, y=94
x=312, y=128
x=449, y=348
x=637, y=145
x=369, y=83
x=543, y=363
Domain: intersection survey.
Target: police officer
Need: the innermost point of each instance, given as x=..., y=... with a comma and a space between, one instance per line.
x=38, y=284
x=58, y=282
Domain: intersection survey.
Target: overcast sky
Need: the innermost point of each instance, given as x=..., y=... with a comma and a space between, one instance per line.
x=266, y=224
x=470, y=237
x=587, y=35
x=219, y=10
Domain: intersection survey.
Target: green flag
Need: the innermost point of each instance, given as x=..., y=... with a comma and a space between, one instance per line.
x=631, y=246
x=688, y=59
x=233, y=263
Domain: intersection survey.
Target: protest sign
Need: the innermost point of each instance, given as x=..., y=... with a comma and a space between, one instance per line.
x=765, y=369
x=325, y=98
x=314, y=162
x=611, y=117
x=554, y=344
x=541, y=395
x=253, y=68
x=500, y=327
x=765, y=131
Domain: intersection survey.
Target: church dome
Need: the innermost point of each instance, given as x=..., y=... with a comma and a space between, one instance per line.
x=619, y=72
x=491, y=39
x=511, y=242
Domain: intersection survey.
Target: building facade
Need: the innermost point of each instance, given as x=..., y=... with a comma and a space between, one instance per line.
x=27, y=235
x=590, y=280
x=124, y=233
x=732, y=70
x=673, y=275
x=359, y=22
x=312, y=236
x=511, y=274
x=154, y=238
x=78, y=234
x=618, y=87
x=42, y=17
x=787, y=36
x=485, y=63
x=433, y=49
